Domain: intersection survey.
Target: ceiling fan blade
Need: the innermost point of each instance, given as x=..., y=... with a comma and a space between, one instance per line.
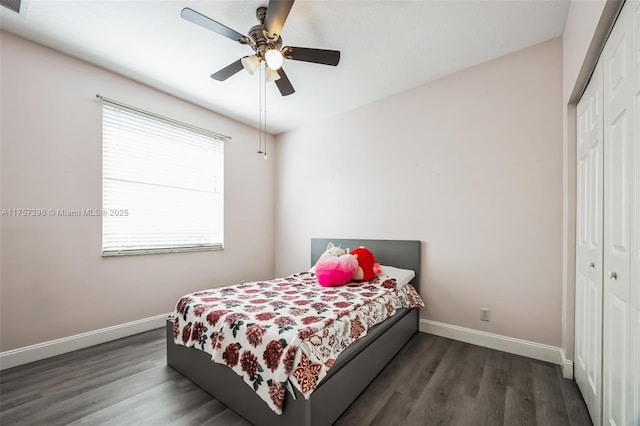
x=277, y=12
x=317, y=56
x=228, y=71
x=283, y=83
x=208, y=23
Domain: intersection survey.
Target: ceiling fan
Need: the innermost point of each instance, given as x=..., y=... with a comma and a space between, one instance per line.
x=266, y=42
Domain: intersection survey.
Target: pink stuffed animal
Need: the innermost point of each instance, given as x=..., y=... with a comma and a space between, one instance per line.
x=335, y=267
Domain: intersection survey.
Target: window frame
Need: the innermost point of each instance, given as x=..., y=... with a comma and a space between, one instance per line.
x=217, y=138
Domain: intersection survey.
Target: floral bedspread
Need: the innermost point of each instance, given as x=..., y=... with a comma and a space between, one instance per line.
x=270, y=332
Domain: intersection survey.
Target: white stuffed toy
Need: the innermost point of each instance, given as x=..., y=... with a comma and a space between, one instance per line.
x=335, y=267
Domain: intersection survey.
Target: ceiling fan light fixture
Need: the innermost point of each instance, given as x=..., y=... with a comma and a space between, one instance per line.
x=251, y=63
x=271, y=75
x=274, y=59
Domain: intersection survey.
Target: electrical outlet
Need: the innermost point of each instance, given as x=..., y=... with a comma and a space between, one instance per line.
x=484, y=314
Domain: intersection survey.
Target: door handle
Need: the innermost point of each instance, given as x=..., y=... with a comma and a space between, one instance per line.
x=591, y=265
x=613, y=275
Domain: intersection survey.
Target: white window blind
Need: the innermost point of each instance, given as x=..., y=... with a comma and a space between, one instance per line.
x=162, y=185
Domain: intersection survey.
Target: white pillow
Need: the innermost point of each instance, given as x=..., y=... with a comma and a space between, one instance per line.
x=402, y=276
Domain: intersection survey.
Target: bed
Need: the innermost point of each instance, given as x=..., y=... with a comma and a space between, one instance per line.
x=352, y=371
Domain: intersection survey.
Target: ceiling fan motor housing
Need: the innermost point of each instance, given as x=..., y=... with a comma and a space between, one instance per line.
x=257, y=34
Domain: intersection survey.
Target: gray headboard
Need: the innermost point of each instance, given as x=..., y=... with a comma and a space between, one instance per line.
x=399, y=253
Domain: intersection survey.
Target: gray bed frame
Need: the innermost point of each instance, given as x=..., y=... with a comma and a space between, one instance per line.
x=353, y=370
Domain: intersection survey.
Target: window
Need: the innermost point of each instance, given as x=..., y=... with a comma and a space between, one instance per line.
x=162, y=184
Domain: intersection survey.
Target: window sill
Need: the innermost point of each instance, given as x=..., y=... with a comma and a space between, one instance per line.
x=134, y=252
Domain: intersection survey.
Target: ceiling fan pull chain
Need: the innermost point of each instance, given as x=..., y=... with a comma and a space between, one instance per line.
x=260, y=112
x=263, y=82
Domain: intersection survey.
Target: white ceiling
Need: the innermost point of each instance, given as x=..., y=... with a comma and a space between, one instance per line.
x=387, y=46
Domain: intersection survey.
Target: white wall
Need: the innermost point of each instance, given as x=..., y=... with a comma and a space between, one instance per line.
x=54, y=282
x=471, y=165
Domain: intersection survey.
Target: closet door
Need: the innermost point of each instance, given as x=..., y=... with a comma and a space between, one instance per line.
x=588, y=326
x=635, y=228
x=618, y=61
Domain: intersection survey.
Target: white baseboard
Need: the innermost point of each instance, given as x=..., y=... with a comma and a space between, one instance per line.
x=526, y=348
x=51, y=348
x=567, y=366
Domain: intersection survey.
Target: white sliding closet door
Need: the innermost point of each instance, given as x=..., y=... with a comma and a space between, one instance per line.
x=607, y=361
x=588, y=356
x=634, y=201
x=620, y=80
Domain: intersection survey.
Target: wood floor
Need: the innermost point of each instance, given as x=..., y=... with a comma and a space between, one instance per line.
x=433, y=380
